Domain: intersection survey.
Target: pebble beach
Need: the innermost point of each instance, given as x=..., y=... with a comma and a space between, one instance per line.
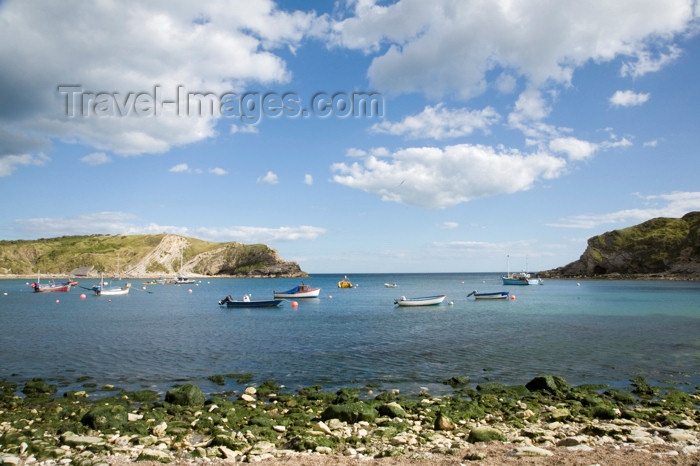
x=545, y=421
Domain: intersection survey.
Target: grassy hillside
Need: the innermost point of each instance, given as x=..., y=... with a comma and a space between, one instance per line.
x=61, y=255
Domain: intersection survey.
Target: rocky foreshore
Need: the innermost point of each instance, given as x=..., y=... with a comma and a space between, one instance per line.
x=545, y=419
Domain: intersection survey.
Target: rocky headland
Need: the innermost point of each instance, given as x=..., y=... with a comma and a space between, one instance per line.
x=546, y=421
x=142, y=256
x=660, y=248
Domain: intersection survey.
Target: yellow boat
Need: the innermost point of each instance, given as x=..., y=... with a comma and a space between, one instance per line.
x=344, y=283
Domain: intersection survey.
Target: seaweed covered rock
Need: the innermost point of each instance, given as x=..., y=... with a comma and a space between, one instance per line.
x=551, y=383
x=392, y=410
x=485, y=434
x=38, y=387
x=350, y=412
x=105, y=417
x=457, y=381
x=185, y=395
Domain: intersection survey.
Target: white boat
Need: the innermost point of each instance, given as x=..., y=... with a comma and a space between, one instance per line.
x=100, y=289
x=426, y=301
x=301, y=291
x=180, y=279
x=495, y=295
x=391, y=285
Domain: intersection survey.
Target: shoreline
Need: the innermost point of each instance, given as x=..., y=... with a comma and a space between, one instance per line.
x=543, y=421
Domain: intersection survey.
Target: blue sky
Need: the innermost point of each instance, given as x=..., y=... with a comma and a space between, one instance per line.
x=506, y=128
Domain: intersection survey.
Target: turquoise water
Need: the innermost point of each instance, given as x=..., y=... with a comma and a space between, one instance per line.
x=598, y=332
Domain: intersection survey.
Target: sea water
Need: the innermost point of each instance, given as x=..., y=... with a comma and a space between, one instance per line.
x=587, y=332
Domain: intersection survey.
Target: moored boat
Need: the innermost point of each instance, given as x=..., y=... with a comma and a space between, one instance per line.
x=228, y=301
x=52, y=287
x=301, y=291
x=114, y=291
x=425, y=301
x=391, y=285
x=495, y=295
x=344, y=283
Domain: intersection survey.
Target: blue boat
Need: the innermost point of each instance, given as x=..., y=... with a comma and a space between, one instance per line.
x=495, y=295
x=247, y=302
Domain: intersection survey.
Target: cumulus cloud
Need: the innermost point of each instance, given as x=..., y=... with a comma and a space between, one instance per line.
x=128, y=224
x=674, y=204
x=212, y=47
x=269, y=178
x=449, y=225
x=217, y=171
x=438, y=178
x=308, y=179
x=9, y=163
x=439, y=122
x=628, y=98
x=442, y=47
x=575, y=149
x=180, y=168
x=96, y=158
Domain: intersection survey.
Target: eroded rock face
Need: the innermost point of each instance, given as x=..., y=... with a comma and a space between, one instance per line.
x=661, y=246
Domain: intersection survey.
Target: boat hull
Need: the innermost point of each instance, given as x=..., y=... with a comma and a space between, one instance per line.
x=112, y=291
x=305, y=294
x=515, y=281
x=427, y=301
x=496, y=295
x=302, y=291
x=253, y=303
x=50, y=288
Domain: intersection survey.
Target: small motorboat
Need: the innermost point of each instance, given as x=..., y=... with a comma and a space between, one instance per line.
x=495, y=295
x=301, y=291
x=344, y=283
x=391, y=285
x=228, y=301
x=426, y=301
x=52, y=287
x=114, y=291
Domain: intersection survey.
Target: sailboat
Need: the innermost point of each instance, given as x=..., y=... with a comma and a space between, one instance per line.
x=100, y=290
x=522, y=278
x=181, y=279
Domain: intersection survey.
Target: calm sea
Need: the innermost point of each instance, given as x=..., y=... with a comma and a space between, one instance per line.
x=595, y=332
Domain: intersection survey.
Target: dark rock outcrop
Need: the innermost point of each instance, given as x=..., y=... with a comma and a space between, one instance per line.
x=658, y=248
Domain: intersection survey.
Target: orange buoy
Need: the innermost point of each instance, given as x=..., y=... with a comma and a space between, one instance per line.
x=57, y=301
x=82, y=296
x=189, y=291
x=512, y=297
x=295, y=304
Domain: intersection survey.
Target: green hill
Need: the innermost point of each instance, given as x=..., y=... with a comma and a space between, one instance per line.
x=665, y=247
x=141, y=256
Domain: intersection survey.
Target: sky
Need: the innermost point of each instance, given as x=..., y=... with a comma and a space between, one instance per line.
x=352, y=136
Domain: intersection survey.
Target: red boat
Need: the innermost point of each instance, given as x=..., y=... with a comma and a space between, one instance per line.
x=52, y=287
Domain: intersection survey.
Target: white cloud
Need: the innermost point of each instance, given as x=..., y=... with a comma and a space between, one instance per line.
x=9, y=163
x=449, y=225
x=439, y=122
x=308, y=179
x=128, y=224
x=439, y=178
x=441, y=46
x=575, y=149
x=96, y=158
x=180, y=168
x=646, y=62
x=269, y=178
x=653, y=143
x=245, y=128
x=217, y=171
x=674, y=204
x=628, y=98
x=211, y=47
